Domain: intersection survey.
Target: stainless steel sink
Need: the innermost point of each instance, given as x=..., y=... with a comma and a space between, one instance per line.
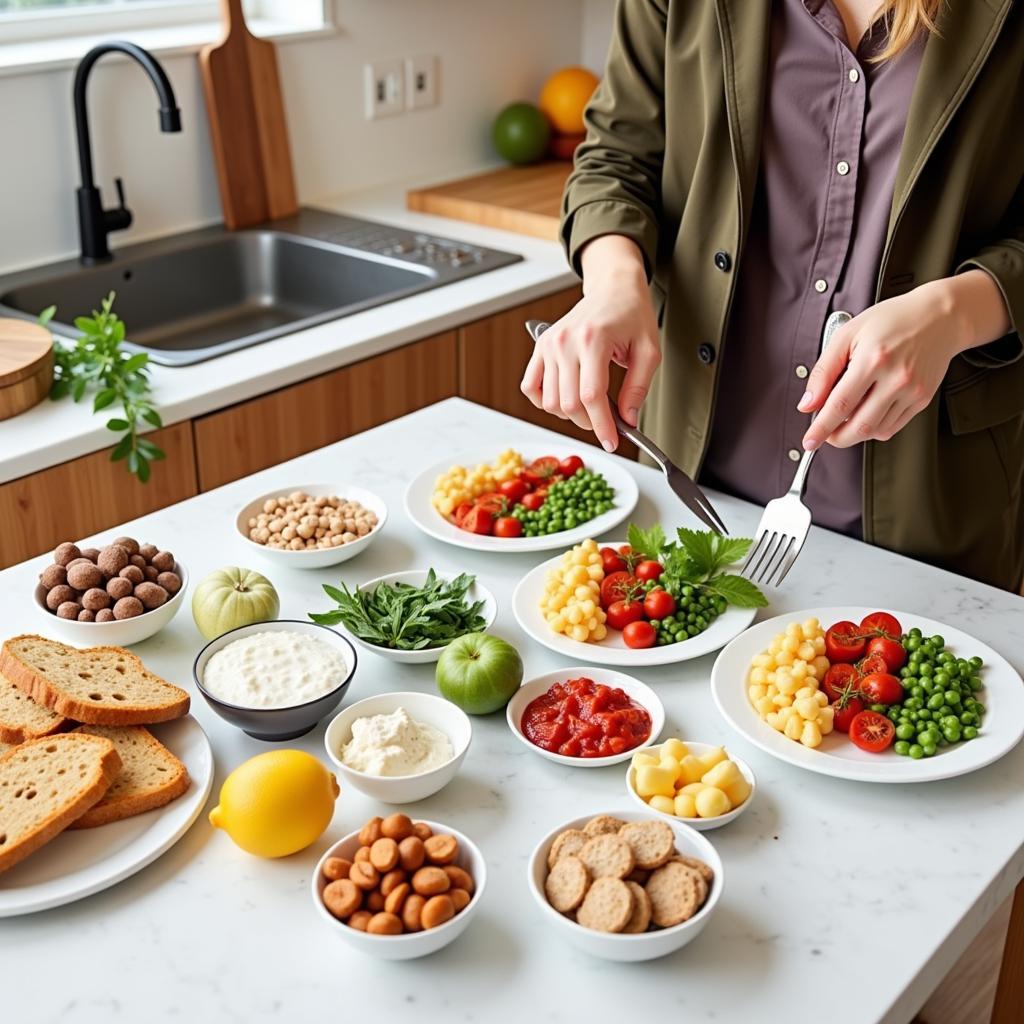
x=198, y=295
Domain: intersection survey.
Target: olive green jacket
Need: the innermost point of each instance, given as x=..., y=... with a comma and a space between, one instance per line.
x=671, y=160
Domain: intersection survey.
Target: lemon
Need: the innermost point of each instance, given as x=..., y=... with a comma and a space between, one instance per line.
x=276, y=803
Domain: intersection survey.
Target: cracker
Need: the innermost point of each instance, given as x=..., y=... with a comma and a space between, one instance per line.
x=674, y=891
x=607, y=907
x=699, y=866
x=607, y=856
x=652, y=842
x=601, y=824
x=569, y=841
x=641, y=916
x=567, y=883
x=638, y=875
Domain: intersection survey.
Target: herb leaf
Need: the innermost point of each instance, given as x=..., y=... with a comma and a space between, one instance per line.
x=738, y=591
x=647, y=543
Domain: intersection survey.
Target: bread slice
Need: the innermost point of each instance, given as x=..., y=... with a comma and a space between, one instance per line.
x=151, y=775
x=96, y=685
x=46, y=784
x=21, y=718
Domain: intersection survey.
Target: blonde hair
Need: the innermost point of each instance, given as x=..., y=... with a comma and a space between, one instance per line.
x=904, y=19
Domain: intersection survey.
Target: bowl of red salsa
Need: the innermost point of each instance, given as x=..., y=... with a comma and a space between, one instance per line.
x=587, y=717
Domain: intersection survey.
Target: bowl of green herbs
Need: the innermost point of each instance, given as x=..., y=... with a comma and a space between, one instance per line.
x=410, y=616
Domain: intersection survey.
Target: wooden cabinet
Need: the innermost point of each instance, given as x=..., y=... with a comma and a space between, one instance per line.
x=87, y=495
x=252, y=435
x=493, y=354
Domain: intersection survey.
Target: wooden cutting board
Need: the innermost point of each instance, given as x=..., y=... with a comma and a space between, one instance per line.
x=523, y=199
x=247, y=124
x=26, y=365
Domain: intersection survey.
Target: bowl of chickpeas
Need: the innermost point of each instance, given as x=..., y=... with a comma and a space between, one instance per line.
x=313, y=525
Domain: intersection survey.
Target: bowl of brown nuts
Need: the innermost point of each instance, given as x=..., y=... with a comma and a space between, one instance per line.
x=314, y=525
x=119, y=593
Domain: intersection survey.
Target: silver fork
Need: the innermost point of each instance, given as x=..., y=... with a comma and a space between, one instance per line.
x=786, y=521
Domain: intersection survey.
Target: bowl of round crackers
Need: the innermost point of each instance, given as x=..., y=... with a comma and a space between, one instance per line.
x=625, y=885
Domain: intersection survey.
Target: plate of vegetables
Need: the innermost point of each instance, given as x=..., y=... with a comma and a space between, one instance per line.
x=410, y=616
x=522, y=500
x=875, y=696
x=643, y=601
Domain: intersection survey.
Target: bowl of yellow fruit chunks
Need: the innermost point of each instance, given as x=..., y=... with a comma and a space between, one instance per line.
x=699, y=784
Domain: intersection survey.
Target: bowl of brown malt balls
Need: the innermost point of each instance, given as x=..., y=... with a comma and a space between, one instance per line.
x=120, y=593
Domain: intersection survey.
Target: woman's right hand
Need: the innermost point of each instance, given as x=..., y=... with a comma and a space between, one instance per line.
x=614, y=322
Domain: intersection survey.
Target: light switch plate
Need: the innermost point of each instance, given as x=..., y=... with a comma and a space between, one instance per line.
x=421, y=82
x=384, y=88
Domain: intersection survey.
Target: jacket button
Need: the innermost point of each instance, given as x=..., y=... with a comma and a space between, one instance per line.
x=722, y=260
x=706, y=354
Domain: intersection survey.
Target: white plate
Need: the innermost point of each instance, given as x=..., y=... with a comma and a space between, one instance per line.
x=431, y=522
x=533, y=688
x=82, y=862
x=613, y=650
x=1001, y=731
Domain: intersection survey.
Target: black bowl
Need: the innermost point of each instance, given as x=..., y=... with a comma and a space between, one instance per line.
x=275, y=724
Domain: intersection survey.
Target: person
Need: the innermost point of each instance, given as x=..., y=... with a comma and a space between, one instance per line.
x=752, y=167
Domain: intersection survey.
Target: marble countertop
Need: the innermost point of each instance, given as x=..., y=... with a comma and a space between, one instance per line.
x=51, y=433
x=823, y=877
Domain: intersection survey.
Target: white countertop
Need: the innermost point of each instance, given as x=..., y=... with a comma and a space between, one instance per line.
x=824, y=879
x=54, y=432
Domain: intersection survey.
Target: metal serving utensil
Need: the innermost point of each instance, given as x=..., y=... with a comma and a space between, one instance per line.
x=683, y=487
x=786, y=521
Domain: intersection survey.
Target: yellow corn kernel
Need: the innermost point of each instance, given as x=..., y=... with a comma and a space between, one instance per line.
x=712, y=757
x=764, y=706
x=794, y=727
x=821, y=697
x=722, y=775
x=807, y=651
x=826, y=720
x=692, y=789
x=685, y=806
x=782, y=700
x=756, y=692
x=691, y=769
x=738, y=792
x=674, y=747
x=807, y=707
x=642, y=757
x=711, y=802
x=666, y=805
x=580, y=634
x=821, y=663
x=810, y=735
x=799, y=669
x=651, y=780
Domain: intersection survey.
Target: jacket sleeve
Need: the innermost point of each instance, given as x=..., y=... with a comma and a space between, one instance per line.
x=615, y=187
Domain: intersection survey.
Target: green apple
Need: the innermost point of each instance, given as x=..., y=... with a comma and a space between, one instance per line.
x=479, y=673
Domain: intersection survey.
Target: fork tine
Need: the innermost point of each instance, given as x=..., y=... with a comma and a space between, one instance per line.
x=705, y=503
x=785, y=544
x=754, y=548
x=758, y=572
x=788, y=564
x=698, y=509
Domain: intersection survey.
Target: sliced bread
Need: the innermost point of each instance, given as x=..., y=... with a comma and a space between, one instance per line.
x=96, y=685
x=151, y=775
x=46, y=784
x=21, y=718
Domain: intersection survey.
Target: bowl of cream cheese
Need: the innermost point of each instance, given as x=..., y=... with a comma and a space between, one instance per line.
x=275, y=680
x=399, y=747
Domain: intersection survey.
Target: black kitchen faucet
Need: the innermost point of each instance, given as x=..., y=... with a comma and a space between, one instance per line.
x=95, y=223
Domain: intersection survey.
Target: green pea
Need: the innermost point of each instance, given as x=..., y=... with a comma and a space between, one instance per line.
x=953, y=735
x=905, y=731
x=916, y=751
x=970, y=732
x=902, y=747
x=924, y=715
x=928, y=749
x=975, y=663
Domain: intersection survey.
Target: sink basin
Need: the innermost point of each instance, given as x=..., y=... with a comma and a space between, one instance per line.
x=198, y=295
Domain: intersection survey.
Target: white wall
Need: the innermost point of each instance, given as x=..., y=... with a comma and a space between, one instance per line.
x=596, y=32
x=491, y=52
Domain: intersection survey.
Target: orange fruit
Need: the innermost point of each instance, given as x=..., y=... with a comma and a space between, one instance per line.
x=565, y=96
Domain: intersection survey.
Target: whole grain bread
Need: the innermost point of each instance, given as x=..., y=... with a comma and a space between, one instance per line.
x=46, y=784
x=96, y=685
x=21, y=718
x=150, y=776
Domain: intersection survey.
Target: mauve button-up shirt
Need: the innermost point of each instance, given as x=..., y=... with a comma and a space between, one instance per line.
x=833, y=126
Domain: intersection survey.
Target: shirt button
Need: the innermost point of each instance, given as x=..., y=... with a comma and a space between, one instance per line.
x=794, y=455
x=706, y=354
x=801, y=372
x=821, y=285
x=722, y=260
x=843, y=167
x=854, y=75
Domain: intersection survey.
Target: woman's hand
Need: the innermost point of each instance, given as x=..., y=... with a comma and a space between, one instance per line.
x=567, y=375
x=895, y=355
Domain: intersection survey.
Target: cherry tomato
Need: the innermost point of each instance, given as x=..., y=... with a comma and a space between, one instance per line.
x=618, y=586
x=462, y=511
x=533, y=501
x=622, y=613
x=508, y=526
x=881, y=688
x=659, y=603
x=541, y=470
x=611, y=561
x=515, y=490
x=479, y=520
x=648, y=570
x=625, y=550
x=495, y=503
x=845, y=711
x=883, y=624
x=889, y=650
x=872, y=663
x=570, y=465
x=843, y=642
x=871, y=731
x=641, y=634
x=837, y=679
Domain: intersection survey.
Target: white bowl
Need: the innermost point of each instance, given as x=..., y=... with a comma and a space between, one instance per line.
x=417, y=577
x=534, y=688
x=315, y=558
x=644, y=945
x=422, y=707
x=120, y=632
x=701, y=824
x=409, y=945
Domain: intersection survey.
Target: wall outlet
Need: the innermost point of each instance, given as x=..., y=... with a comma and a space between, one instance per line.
x=384, y=88
x=421, y=82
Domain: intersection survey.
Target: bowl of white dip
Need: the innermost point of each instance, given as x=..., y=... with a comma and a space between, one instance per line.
x=275, y=680
x=399, y=747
